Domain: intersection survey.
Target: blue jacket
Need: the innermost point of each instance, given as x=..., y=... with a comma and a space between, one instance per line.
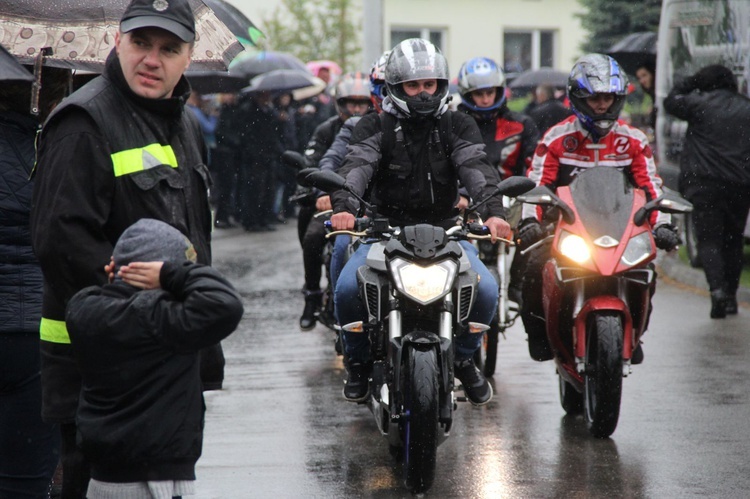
x=20, y=274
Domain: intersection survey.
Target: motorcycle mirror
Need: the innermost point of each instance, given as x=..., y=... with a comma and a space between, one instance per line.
x=511, y=187
x=543, y=195
x=667, y=203
x=294, y=159
x=302, y=176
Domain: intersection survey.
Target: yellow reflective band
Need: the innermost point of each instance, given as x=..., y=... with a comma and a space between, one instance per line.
x=53, y=331
x=137, y=160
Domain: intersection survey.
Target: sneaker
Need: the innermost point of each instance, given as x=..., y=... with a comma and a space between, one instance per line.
x=357, y=384
x=476, y=387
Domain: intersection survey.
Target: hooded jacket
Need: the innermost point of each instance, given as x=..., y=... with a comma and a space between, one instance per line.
x=717, y=141
x=108, y=158
x=141, y=414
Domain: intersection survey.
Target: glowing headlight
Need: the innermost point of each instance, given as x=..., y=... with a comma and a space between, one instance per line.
x=574, y=247
x=423, y=284
x=637, y=250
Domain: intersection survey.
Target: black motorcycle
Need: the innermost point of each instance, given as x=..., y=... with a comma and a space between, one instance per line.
x=418, y=287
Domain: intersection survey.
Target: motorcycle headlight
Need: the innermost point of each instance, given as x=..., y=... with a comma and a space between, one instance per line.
x=423, y=284
x=574, y=247
x=637, y=250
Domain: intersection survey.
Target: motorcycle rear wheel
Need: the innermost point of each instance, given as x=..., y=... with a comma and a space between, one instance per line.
x=603, y=377
x=420, y=429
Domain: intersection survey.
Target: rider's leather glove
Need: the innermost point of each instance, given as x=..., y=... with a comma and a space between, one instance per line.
x=666, y=237
x=529, y=232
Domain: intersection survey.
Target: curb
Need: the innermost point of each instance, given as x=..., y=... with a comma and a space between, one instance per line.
x=670, y=265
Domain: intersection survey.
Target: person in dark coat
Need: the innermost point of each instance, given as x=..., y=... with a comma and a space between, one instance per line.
x=261, y=156
x=549, y=111
x=121, y=148
x=226, y=162
x=137, y=343
x=30, y=448
x=715, y=175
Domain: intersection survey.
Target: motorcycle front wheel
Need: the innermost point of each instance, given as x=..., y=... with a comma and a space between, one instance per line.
x=603, y=377
x=420, y=430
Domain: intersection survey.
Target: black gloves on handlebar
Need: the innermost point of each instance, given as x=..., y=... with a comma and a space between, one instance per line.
x=666, y=237
x=529, y=232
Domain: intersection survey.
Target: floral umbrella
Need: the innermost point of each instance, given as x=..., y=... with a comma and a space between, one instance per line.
x=81, y=33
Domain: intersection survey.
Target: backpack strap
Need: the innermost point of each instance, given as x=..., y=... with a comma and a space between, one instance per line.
x=388, y=124
x=445, y=131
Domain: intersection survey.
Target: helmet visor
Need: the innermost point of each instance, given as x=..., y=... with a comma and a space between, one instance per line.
x=412, y=60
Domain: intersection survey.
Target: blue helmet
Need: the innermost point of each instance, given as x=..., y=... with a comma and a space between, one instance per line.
x=597, y=74
x=480, y=73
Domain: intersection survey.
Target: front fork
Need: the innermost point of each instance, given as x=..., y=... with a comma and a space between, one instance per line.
x=444, y=341
x=582, y=308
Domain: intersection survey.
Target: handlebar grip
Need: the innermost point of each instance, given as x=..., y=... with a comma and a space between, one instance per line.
x=479, y=229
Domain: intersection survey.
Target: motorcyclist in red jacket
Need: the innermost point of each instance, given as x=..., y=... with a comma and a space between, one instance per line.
x=597, y=88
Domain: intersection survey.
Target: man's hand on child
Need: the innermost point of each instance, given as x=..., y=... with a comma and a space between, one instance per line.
x=144, y=275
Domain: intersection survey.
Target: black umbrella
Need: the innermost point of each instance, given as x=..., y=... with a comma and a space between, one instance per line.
x=250, y=65
x=529, y=80
x=634, y=51
x=81, y=33
x=215, y=82
x=237, y=22
x=283, y=80
x=11, y=70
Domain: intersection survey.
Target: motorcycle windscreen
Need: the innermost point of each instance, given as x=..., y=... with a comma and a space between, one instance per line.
x=603, y=198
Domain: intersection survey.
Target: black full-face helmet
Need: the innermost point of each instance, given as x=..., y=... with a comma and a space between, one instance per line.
x=417, y=59
x=597, y=74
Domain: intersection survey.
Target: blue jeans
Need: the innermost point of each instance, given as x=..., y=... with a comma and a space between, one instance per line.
x=338, y=257
x=349, y=306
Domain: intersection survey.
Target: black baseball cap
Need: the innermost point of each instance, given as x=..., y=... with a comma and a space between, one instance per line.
x=175, y=16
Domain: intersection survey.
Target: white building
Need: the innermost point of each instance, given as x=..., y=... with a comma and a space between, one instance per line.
x=518, y=34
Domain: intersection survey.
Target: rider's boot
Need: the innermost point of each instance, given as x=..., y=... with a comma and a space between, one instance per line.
x=312, y=304
x=730, y=306
x=476, y=387
x=357, y=385
x=718, y=304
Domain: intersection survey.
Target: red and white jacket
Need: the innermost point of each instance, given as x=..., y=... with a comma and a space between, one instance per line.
x=562, y=154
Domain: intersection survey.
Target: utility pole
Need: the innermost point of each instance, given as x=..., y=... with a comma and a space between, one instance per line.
x=372, y=31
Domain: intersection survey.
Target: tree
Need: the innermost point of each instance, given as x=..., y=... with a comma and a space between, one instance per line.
x=608, y=21
x=315, y=29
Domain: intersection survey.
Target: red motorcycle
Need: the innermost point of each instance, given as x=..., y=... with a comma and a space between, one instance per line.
x=597, y=287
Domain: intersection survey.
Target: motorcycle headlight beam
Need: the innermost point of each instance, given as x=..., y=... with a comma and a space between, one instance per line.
x=637, y=250
x=574, y=247
x=423, y=284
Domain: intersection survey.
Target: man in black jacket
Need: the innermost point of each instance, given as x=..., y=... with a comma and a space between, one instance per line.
x=119, y=149
x=414, y=180
x=715, y=175
x=136, y=342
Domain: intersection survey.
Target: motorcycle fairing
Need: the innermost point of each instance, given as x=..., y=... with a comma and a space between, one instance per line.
x=603, y=213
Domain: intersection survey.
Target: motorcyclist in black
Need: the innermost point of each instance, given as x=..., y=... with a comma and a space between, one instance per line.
x=352, y=95
x=416, y=181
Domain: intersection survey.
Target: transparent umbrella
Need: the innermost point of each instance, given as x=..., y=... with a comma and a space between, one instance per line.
x=80, y=33
x=249, y=65
x=284, y=80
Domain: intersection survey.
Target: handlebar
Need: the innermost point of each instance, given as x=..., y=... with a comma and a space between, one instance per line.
x=377, y=227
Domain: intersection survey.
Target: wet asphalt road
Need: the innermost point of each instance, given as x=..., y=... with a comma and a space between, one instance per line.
x=280, y=427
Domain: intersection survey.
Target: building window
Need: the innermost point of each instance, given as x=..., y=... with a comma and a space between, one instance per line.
x=436, y=36
x=528, y=50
